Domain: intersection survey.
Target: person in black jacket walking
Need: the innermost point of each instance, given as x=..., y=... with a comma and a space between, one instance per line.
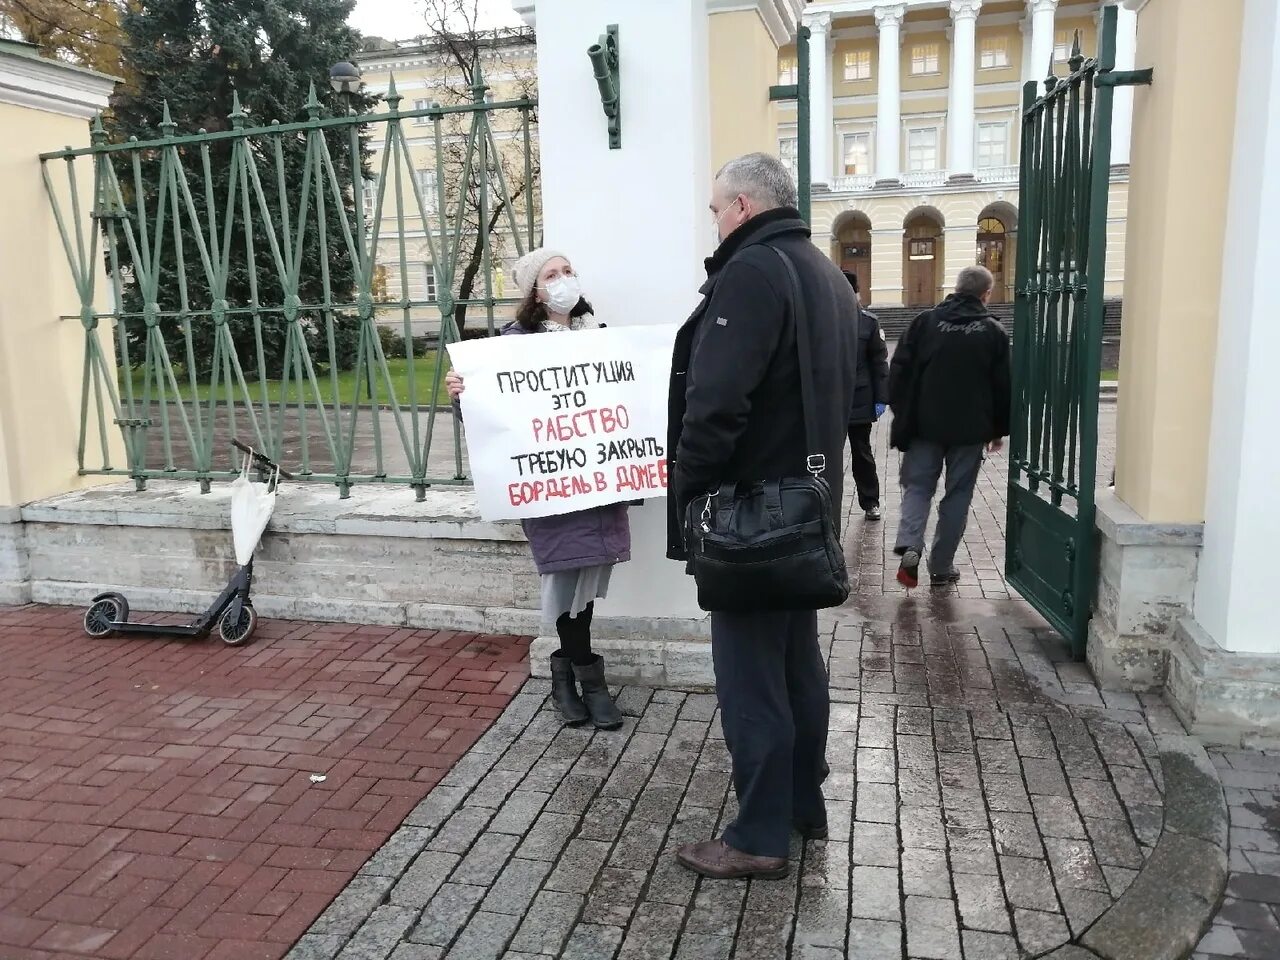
x=736, y=416
x=870, y=400
x=949, y=388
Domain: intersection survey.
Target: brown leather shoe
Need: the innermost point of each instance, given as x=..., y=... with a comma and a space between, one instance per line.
x=718, y=860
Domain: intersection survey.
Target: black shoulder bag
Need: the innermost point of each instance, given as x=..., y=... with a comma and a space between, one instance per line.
x=772, y=544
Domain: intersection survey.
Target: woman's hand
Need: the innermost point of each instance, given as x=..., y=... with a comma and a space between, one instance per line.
x=454, y=384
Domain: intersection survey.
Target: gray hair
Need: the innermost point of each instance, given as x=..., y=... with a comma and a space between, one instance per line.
x=761, y=178
x=974, y=281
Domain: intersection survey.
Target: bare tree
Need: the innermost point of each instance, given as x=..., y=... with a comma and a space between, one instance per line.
x=452, y=29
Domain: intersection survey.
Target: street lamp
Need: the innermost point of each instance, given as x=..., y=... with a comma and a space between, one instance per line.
x=344, y=77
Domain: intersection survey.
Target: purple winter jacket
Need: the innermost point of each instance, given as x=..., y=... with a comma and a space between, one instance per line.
x=587, y=538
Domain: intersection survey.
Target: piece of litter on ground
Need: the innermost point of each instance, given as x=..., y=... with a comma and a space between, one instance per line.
x=318, y=778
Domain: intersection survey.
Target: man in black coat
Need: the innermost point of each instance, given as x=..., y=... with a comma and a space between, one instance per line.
x=950, y=390
x=736, y=415
x=869, y=402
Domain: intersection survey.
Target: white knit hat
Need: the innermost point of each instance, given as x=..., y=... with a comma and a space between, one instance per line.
x=530, y=266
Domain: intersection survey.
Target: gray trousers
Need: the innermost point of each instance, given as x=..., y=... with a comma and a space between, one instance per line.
x=922, y=465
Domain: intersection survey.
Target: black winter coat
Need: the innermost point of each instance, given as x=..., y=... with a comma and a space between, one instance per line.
x=873, y=370
x=734, y=406
x=950, y=380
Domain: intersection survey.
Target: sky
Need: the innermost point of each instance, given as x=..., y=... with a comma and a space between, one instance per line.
x=402, y=19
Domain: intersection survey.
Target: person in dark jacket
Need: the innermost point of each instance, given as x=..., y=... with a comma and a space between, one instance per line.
x=575, y=552
x=736, y=416
x=870, y=400
x=949, y=388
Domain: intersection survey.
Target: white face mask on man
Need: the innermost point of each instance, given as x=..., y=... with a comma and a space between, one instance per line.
x=563, y=294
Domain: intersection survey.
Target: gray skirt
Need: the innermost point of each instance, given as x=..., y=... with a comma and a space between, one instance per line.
x=569, y=591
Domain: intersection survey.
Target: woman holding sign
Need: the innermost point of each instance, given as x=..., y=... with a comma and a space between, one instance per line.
x=574, y=552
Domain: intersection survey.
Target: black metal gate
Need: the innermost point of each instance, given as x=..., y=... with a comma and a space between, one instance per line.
x=1064, y=185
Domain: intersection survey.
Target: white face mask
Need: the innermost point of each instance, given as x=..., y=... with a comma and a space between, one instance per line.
x=563, y=294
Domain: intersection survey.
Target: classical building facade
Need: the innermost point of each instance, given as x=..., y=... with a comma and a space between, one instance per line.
x=915, y=130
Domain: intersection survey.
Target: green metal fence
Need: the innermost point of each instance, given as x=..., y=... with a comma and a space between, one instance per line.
x=1057, y=344
x=165, y=367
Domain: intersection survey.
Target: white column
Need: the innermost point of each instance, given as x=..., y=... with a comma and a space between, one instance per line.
x=821, y=122
x=960, y=119
x=1126, y=59
x=1041, y=13
x=1236, y=589
x=889, y=90
x=1024, y=27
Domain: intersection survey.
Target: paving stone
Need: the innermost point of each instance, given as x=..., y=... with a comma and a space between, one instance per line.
x=437, y=807
x=446, y=914
x=548, y=837
x=1074, y=865
x=316, y=947
x=923, y=827
x=971, y=850
x=626, y=781
x=352, y=907
x=982, y=903
x=519, y=813
x=876, y=765
x=423, y=878
x=826, y=864
x=515, y=886
x=577, y=867
x=875, y=844
x=717, y=908
x=461, y=830
x=548, y=923
x=1015, y=834
x=823, y=920
x=872, y=939
x=394, y=856
x=698, y=946
x=931, y=929
x=877, y=803
x=652, y=936
x=547, y=776
x=420, y=951
x=486, y=858
x=925, y=873
x=1028, y=883
x=378, y=936
x=1097, y=800
x=1083, y=907
x=1006, y=793
x=615, y=897
x=1057, y=817
x=989, y=946
x=496, y=786
x=873, y=893
x=485, y=937
x=638, y=845
x=1039, y=931
x=1114, y=843
x=658, y=803
x=591, y=941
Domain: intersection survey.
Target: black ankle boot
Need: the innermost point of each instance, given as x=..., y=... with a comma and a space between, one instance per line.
x=564, y=692
x=595, y=694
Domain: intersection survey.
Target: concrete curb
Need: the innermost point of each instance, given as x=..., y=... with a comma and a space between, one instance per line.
x=1169, y=905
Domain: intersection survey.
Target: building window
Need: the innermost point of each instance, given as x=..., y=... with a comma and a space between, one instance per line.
x=857, y=154
x=421, y=105
x=788, y=71
x=924, y=59
x=788, y=153
x=922, y=149
x=1063, y=41
x=993, y=53
x=993, y=145
x=426, y=181
x=370, y=198
x=857, y=65
x=429, y=281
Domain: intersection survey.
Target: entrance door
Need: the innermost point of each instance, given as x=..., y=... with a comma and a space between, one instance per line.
x=991, y=254
x=855, y=258
x=922, y=282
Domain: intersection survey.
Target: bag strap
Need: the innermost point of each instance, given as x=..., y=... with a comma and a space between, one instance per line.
x=816, y=460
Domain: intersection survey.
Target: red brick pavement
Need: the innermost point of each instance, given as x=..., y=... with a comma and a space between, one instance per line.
x=156, y=797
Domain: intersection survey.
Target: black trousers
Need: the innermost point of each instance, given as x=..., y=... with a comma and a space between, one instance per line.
x=865, y=476
x=774, y=703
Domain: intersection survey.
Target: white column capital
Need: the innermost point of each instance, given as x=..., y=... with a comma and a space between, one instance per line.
x=818, y=22
x=1041, y=6
x=890, y=15
x=965, y=9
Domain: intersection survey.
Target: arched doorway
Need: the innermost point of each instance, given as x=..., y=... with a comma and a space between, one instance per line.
x=922, y=257
x=996, y=226
x=853, y=249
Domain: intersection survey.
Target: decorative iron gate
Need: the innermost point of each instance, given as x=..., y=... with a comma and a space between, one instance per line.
x=298, y=368
x=1051, y=556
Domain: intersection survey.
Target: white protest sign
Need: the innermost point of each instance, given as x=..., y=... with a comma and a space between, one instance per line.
x=562, y=422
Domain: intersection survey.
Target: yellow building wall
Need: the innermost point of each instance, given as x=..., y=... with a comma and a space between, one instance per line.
x=1173, y=271
x=41, y=356
x=743, y=64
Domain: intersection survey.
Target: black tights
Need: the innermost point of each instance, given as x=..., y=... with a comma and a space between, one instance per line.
x=575, y=636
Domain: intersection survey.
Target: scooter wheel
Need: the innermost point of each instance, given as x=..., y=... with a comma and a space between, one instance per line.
x=236, y=633
x=103, y=613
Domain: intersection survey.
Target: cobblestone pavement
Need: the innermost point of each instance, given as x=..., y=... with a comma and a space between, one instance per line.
x=157, y=799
